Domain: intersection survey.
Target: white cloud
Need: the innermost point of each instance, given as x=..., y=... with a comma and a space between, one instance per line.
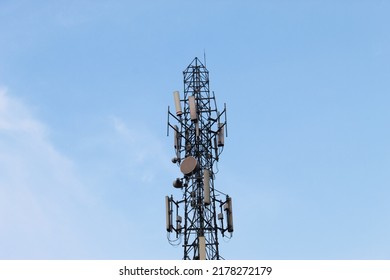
x=146, y=154
x=15, y=118
x=38, y=186
x=47, y=208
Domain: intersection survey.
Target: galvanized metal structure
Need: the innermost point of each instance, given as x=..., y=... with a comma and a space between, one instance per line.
x=203, y=212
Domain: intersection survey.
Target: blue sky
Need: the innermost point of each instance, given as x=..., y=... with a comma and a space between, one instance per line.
x=85, y=161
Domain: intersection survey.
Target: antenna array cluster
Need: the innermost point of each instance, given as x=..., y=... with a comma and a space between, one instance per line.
x=199, y=131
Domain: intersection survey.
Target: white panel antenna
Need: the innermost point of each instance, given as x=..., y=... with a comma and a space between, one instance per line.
x=206, y=184
x=202, y=248
x=193, y=112
x=176, y=97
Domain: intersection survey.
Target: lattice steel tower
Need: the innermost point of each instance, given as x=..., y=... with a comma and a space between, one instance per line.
x=199, y=129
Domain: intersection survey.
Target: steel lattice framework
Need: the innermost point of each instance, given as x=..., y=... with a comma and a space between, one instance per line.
x=199, y=130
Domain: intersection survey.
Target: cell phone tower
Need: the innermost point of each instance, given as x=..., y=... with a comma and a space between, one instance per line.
x=199, y=130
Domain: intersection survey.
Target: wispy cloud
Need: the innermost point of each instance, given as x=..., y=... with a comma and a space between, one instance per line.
x=145, y=153
x=38, y=186
x=52, y=206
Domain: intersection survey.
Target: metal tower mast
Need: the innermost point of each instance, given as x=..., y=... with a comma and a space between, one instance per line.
x=199, y=129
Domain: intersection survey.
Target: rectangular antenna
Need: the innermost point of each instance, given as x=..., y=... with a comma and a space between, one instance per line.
x=176, y=97
x=177, y=139
x=168, y=213
x=229, y=213
x=202, y=248
x=206, y=185
x=193, y=113
x=221, y=136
